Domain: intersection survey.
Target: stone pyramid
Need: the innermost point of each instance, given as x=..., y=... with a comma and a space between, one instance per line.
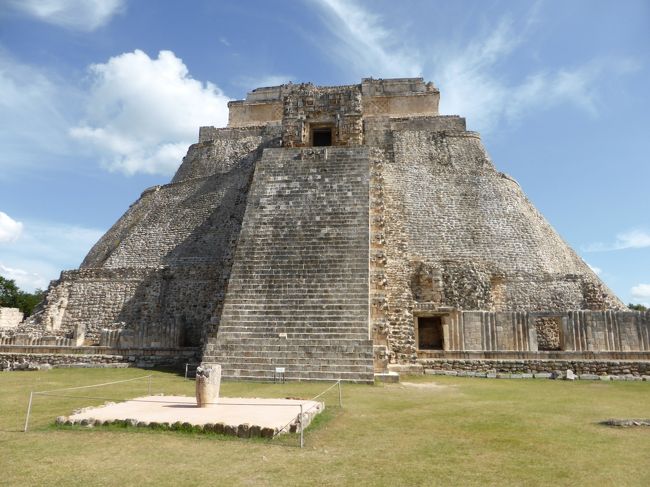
x=330, y=231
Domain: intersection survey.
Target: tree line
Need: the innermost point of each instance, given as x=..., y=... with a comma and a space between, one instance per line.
x=13, y=297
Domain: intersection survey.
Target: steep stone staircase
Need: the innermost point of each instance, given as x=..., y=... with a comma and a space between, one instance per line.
x=298, y=292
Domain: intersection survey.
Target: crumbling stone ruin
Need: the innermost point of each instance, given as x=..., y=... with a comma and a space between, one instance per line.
x=10, y=317
x=337, y=232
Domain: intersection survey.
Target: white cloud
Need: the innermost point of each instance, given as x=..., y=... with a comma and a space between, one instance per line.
x=597, y=270
x=144, y=112
x=641, y=292
x=10, y=229
x=634, y=239
x=44, y=250
x=365, y=43
x=84, y=15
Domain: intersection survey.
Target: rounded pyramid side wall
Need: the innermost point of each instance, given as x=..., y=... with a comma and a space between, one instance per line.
x=473, y=239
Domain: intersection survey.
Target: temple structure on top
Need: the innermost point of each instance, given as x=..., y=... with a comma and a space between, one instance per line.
x=338, y=232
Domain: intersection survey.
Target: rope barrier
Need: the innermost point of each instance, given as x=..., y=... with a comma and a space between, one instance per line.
x=299, y=417
x=94, y=385
x=46, y=393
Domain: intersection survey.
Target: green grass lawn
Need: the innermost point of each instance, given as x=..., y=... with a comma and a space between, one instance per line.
x=448, y=431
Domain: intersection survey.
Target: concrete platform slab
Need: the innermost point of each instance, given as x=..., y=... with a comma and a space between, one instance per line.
x=275, y=414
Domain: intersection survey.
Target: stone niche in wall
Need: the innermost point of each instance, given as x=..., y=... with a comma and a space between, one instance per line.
x=549, y=333
x=426, y=283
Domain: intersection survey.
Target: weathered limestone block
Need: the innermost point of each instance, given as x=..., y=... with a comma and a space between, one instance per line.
x=10, y=317
x=208, y=382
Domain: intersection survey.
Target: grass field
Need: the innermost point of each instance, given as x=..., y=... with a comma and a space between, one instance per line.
x=434, y=431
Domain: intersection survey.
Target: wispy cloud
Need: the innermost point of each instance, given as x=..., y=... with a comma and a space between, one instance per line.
x=37, y=108
x=84, y=15
x=471, y=84
x=364, y=42
x=252, y=82
x=43, y=250
x=469, y=76
x=143, y=113
x=641, y=293
x=633, y=239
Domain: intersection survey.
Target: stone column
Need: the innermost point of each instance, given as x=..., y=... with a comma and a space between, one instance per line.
x=79, y=334
x=208, y=382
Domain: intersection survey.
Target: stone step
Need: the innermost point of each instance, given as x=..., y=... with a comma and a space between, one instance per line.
x=278, y=357
x=309, y=249
x=229, y=327
x=292, y=260
x=306, y=364
x=293, y=336
x=301, y=290
x=251, y=299
x=324, y=307
x=315, y=277
x=339, y=344
x=336, y=347
x=295, y=369
x=243, y=311
x=296, y=271
x=247, y=374
x=271, y=324
x=279, y=361
x=312, y=296
x=305, y=288
x=241, y=315
x=295, y=298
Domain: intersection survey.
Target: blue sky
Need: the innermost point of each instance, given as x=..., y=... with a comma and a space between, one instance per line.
x=99, y=100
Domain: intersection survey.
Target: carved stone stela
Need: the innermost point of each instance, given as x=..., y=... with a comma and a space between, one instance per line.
x=208, y=383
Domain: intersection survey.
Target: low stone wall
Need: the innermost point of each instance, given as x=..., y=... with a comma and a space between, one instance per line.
x=32, y=358
x=580, y=367
x=424, y=355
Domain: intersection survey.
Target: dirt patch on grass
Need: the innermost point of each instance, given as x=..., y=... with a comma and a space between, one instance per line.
x=428, y=386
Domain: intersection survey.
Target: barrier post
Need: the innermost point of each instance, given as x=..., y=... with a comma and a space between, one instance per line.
x=302, y=437
x=29, y=410
x=340, y=395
